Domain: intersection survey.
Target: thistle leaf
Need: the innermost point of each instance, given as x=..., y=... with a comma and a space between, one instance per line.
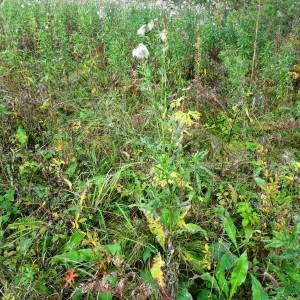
x=156, y=229
x=157, y=271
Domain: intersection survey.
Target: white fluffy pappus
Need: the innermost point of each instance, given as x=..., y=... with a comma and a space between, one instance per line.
x=163, y=35
x=142, y=30
x=150, y=25
x=146, y=27
x=140, y=52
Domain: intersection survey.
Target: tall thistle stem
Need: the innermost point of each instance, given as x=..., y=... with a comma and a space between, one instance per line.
x=255, y=40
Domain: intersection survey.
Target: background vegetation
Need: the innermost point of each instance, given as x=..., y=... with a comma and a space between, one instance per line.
x=171, y=177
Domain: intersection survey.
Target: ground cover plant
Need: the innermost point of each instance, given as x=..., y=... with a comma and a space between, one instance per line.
x=149, y=150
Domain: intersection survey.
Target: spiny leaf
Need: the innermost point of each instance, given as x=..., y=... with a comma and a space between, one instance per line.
x=239, y=274
x=78, y=256
x=258, y=292
x=159, y=276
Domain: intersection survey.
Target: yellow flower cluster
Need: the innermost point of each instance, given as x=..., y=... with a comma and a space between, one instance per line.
x=161, y=179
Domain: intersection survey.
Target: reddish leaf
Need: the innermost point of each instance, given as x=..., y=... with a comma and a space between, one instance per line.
x=70, y=278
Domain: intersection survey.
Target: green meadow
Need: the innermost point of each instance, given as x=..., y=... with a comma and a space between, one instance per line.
x=150, y=150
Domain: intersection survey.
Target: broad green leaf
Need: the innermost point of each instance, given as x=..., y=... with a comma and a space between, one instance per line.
x=105, y=296
x=239, y=273
x=78, y=256
x=184, y=213
x=170, y=218
x=212, y=282
x=24, y=245
x=260, y=182
x=71, y=169
x=221, y=248
x=148, y=279
x=206, y=295
x=21, y=136
x=248, y=233
x=194, y=228
x=74, y=241
x=230, y=230
x=114, y=249
x=258, y=292
x=148, y=252
x=183, y=292
x=220, y=274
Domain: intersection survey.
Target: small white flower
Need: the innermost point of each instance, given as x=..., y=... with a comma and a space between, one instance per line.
x=163, y=35
x=101, y=13
x=140, y=52
x=142, y=30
